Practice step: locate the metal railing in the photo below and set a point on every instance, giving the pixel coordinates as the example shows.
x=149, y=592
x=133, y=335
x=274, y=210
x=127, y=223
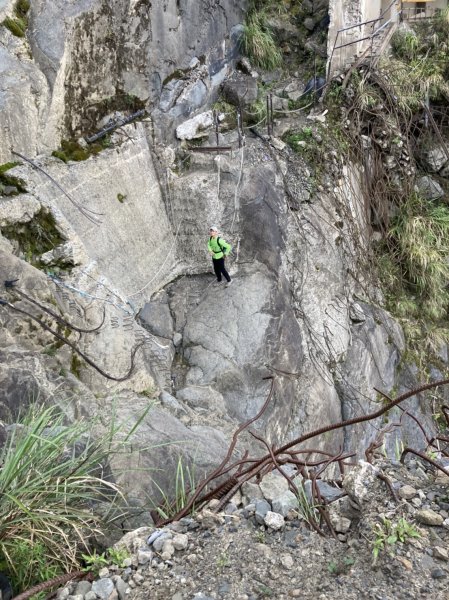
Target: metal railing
x=417, y=13
x=376, y=28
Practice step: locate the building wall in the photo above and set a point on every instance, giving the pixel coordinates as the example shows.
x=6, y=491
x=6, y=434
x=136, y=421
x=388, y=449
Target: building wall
x=430, y=5
x=346, y=13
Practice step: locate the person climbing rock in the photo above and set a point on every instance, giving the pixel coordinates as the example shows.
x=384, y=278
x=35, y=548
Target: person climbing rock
x=219, y=250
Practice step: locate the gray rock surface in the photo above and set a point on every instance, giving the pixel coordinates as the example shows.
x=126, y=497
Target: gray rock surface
x=133, y=226
x=429, y=188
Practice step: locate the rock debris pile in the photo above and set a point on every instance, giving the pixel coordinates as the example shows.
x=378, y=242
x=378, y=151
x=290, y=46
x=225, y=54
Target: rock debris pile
x=392, y=530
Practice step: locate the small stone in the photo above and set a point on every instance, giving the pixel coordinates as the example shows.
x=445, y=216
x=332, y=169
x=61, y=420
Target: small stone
x=441, y=553
x=428, y=516
x=103, y=588
x=285, y=503
x=273, y=485
x=262, y=508
x=438, y=574
x=274, y=520
x=264, y=550
x=144, y=556
x=286, y=561
x=407, y=492
x=82, y=587
x=168, y=548
x=159, y=542
x=224, y=588
x=405, y=563
x=90, y=596
x=209, y=520
x=62, y=594
x=251, y=491
x=121, y=587
x=180, y=541
x=339, y=523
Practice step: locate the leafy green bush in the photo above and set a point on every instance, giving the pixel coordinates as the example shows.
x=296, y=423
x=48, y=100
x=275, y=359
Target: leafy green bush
x=52, y=477
x=405, y=44
x=258, y=42
x=387, y=534
x=420, y=236
x=419, y=69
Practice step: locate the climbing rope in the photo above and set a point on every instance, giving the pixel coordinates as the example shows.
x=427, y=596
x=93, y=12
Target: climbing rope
x=160, y=268
x=87, y=212
x=61, y=284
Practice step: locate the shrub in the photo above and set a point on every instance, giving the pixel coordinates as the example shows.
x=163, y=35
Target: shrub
x=60, y=154
x=387, y=534
x=52, y=477
x=405, y=44
x=420, y=236
x=258, y=42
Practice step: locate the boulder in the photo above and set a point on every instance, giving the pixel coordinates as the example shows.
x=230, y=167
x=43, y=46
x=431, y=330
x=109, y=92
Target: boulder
x=156, y=318
x=359, y=482
x=433, y=157
x=429, y=189
x=273, y=486
x=196, y=127
x=241, y=90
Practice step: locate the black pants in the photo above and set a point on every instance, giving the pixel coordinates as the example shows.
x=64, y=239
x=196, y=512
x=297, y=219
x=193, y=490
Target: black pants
x=219, y=268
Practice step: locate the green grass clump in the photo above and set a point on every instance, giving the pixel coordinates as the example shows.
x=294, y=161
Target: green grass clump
x=184, y=489
x=18, y=24
x=420, y=243
x=419, y=68
x=10, y=180
x=413, y=266
x=72, y=150
x=34, y=237
x=22, y=7
x=387, y=534
x=61, y=155
x=52, y=477
x=47, y=491
x=258, y=42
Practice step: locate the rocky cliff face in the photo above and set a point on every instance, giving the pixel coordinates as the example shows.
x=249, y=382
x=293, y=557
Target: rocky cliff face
x=122, y=236
x=81, y=59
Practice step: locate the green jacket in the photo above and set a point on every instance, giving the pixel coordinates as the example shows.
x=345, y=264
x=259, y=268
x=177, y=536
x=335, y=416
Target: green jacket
x=218, y=249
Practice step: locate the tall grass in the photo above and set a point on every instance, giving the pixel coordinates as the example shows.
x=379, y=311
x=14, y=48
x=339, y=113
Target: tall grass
x=420, y=233
x=52, y=476
x=184, y=488
x=258, y=42
x=418, y=70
